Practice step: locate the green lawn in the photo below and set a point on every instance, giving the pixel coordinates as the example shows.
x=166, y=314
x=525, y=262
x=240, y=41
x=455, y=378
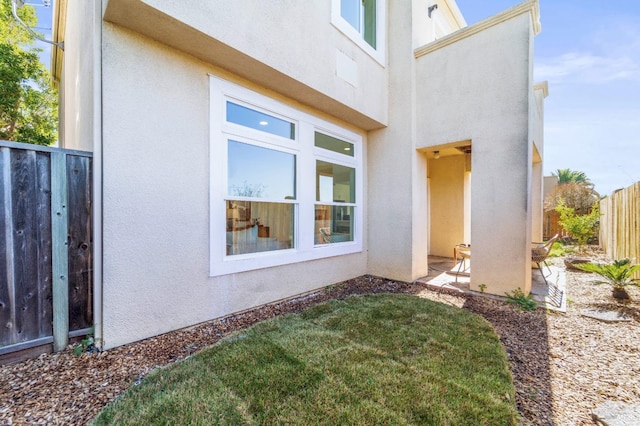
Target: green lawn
x=378, y=359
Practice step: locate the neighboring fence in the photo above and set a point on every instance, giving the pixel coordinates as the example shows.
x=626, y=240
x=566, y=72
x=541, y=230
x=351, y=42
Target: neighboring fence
x=620, y=224
x=46, y=253
x=551, y=225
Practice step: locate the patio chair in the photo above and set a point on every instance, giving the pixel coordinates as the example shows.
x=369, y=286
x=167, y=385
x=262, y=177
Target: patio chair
x=463, y=252
x=539, y=254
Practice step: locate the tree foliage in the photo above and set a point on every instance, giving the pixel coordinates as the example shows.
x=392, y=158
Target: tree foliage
x=575, y=189
x=578, y=196
x=568, y=176
x=582, y=227
x=28, y=102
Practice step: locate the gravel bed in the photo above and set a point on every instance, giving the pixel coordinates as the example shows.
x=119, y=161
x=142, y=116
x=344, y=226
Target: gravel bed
x=563, y=364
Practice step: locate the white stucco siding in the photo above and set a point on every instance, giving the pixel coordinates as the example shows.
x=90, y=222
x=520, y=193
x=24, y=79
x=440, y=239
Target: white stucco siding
x=397, y=215
x=475, y=85
x=478, y=88
x=79, y=106
x=156, y=199
x=290, y=47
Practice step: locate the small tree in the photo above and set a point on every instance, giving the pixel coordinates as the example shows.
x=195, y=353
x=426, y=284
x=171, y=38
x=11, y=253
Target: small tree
x=582, y=227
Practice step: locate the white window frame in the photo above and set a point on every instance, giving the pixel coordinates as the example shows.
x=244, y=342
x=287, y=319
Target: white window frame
x=306, y=153
x=379, y=53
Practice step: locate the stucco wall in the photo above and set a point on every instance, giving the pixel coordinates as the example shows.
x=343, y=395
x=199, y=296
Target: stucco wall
x=446, y=16
x=290, y=47
x=446, y=204
x=391, y=151
x=156, y=199
x=78, y=110
x=481, y=86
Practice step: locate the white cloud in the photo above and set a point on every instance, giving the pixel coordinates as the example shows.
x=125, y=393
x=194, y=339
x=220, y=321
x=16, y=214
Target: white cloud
x=588, y=68
x=608, y=56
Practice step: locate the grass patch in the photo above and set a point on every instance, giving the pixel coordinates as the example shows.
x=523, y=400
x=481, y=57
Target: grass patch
x=376, y=359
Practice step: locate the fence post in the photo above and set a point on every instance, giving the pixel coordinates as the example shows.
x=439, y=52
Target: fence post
x=60, y=250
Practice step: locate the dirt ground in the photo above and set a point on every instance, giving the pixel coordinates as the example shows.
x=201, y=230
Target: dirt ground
x=563, y=364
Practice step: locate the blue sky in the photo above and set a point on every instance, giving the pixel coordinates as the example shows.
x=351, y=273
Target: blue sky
x=44, y=28
x=589, y=52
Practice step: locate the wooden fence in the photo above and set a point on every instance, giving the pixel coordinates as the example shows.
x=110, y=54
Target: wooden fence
x=45, y=246
x=552, y=225
x=620, y=224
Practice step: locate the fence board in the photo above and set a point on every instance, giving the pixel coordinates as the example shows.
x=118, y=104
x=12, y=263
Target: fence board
x=60, y=250
x=80, y=243
x=43, y=217
x=6, y=274
x=26, y=244
x=619, y=224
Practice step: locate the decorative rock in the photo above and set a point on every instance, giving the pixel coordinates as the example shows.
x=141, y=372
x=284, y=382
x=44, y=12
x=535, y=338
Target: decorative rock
x=613, y=413
x=570, y=262
x=606, y=316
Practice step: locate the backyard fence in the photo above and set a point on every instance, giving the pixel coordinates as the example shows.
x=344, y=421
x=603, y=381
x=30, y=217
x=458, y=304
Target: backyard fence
x=552, y=225
x=620, y=224
x=45, y=246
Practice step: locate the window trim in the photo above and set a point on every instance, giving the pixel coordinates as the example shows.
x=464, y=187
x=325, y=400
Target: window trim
x=379, y=53
x=306, y=153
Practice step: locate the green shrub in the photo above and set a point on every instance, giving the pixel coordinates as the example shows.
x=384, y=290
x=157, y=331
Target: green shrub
x=582, y=227
x=525, y=303
x=618, y=274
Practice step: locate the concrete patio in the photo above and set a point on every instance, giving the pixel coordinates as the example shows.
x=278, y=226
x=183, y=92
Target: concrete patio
x=443, y=277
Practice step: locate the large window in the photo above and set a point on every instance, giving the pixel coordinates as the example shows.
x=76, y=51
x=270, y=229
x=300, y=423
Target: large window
x=363, y=22
x=261, y=188
x=285, y=186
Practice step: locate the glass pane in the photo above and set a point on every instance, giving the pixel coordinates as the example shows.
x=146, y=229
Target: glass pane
x=335, y=183
x=254, y=227
x=334, y=224
x=370, y=22
x=260, y=172
x=258, y=120
x=350, y=11
x=333, y=144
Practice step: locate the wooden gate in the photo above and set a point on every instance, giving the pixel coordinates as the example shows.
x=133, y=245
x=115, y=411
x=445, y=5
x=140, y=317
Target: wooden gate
x=46, y=246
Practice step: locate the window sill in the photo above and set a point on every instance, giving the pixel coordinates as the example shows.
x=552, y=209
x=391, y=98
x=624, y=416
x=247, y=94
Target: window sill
x=254, y=261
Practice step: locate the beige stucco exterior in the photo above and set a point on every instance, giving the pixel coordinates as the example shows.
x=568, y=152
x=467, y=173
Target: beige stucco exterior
x=136, y=80
x=481, y=81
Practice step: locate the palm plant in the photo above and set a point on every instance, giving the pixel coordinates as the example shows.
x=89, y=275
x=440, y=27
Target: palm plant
x=618, y=274
x=568, y=175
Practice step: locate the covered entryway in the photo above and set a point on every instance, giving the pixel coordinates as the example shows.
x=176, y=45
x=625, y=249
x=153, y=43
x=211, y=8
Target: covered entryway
x=480, y=113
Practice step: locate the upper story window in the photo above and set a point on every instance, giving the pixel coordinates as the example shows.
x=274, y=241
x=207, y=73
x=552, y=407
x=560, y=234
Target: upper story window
x=361, y=15
x=286, y=186
x=363, y=22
